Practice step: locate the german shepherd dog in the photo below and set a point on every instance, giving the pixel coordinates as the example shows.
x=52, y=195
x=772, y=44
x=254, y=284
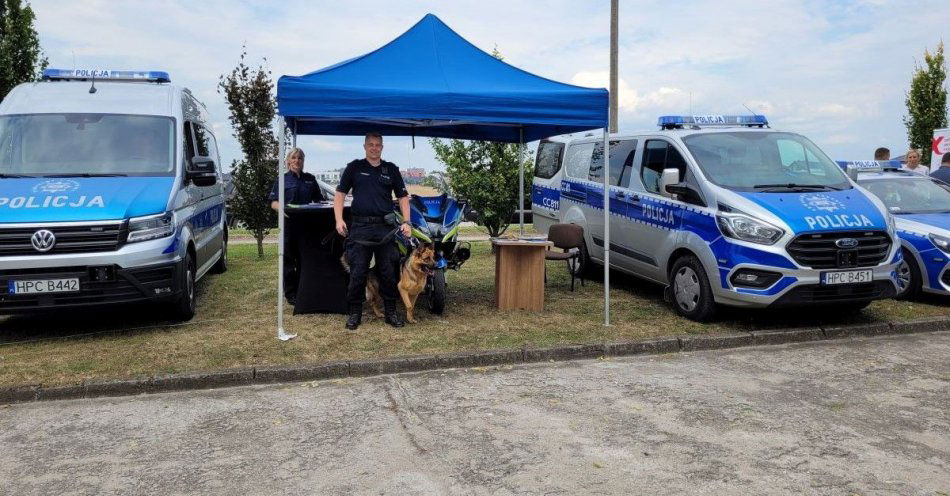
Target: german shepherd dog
x=414, y=271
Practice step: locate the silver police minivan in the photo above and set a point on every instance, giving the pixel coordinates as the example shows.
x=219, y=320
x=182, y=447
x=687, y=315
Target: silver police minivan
x=723, y=210
x=110, y=192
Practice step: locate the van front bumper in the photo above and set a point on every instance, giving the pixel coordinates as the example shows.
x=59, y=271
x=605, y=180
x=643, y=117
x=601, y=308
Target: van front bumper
x=137, y=272
x=98, y=285
x=802, y=287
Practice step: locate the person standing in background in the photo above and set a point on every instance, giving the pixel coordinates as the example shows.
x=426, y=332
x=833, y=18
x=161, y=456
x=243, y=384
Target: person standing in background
x=913, y=163
x=300, y=188
x=882, y=154
x=943, y=172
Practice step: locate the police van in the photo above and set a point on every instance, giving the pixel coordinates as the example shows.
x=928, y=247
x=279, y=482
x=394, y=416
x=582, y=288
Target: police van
x=921, y=209
x=722, y=210
x=110, y=192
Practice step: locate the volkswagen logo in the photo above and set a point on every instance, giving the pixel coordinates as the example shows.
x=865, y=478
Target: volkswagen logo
x=43, y=240
x=846, y=243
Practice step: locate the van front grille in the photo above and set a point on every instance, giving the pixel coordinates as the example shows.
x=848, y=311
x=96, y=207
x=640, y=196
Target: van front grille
x=822, y=251
x=77, y=238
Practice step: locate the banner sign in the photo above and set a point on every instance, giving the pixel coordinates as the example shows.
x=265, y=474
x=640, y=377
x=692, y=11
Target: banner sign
x=941, y=145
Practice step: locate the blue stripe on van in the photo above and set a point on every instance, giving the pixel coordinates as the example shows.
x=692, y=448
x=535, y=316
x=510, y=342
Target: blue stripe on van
x=673, y=216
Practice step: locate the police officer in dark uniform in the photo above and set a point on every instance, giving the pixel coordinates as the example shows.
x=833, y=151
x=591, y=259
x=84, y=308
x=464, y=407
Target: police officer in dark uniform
x=300, y=188
x=373, y=182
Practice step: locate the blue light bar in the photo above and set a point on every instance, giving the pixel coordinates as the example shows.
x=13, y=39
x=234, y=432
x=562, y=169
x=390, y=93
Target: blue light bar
x=679, y=121
x=90, y=74
x=869, y=165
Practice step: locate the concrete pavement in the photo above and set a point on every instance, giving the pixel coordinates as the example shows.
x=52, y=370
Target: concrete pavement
x=862, y=416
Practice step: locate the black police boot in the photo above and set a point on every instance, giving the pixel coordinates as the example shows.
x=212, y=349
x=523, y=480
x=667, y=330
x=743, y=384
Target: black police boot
x=392, y=318
x=355, y=318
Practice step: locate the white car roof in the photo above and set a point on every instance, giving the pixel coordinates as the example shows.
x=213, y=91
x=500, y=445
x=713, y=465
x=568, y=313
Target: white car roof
x=111, y=97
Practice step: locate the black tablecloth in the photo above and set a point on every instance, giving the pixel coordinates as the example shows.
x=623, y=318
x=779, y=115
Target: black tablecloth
x=323, y=281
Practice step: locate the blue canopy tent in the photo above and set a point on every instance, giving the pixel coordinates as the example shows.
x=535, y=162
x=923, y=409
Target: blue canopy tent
x=432, y=82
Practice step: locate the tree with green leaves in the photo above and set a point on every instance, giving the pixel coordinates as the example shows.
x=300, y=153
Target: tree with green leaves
x=485, y=174
x=927, y=102
x=250, y=96
x=21, y=59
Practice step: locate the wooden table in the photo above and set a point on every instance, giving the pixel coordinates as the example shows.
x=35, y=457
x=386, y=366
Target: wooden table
x=519, y=273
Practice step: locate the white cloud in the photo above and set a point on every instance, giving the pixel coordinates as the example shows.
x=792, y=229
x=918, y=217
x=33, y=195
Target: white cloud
x=628, y=96
x=819, y=67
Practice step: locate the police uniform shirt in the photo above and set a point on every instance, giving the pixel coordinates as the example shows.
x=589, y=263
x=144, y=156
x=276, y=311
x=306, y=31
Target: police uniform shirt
x=373, y=187
x=298, y=190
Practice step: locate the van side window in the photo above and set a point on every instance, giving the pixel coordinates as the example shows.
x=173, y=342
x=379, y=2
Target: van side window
x=577, y=162
x=188, y=144
x=597, y=163
x=659, y=155
x=201, y=140
x=204, y=142
x=621, y=159
x=549, y=159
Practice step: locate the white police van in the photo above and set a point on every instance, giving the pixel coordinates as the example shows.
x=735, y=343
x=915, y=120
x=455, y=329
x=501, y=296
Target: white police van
x=921, y=209
x=722, y=209
x=110, y=192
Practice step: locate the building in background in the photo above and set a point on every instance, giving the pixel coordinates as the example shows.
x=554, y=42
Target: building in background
x=414, y=175
x=330, y=177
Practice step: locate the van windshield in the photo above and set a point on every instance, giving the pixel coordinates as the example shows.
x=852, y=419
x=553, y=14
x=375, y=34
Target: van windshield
x=86, y=144
x=765, y=162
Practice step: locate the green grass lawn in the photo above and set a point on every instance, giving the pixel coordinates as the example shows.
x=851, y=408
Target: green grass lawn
x=236, y=325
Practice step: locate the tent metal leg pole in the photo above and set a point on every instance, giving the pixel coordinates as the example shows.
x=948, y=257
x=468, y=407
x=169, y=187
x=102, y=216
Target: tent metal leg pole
x=521, y=180
x=281, y=164
x=606, y=172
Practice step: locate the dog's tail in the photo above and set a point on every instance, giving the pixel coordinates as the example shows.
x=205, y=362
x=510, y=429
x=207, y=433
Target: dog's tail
x=344, y=263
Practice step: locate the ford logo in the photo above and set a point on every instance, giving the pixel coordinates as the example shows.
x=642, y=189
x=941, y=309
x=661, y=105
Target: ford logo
x=43, y=240
x=846, y=243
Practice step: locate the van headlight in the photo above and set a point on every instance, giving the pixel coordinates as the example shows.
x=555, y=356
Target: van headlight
x=740, y=226
x=151, y=227
x=941, y=242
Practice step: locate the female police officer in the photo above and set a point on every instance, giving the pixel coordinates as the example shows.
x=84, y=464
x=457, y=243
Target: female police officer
x=300, y=188
x=373, y=181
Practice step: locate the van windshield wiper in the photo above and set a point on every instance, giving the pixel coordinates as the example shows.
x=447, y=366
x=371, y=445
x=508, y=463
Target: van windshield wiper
x=796, y=186
x=16, y=175
x=86, y=174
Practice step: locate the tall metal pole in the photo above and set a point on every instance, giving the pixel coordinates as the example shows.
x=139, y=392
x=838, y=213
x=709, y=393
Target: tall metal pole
x=606, y=170
x=281, y=165
x=521, y=179
x=613, y=65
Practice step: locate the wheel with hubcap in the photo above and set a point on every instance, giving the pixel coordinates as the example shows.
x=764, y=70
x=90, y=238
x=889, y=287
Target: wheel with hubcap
x=689, y=287
x=908, y=277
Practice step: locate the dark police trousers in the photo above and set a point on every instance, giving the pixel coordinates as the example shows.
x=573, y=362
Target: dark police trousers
x=291, y=259
x=358, y=256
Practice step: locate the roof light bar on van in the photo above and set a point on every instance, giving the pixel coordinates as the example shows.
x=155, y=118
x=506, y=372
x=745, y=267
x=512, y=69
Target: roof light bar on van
x=90, y=74
x=869, y=165
x=853, y=167
x=681, y=121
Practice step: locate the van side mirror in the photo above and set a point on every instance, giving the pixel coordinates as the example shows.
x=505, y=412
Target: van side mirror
x=201, y=171
x=669, y=176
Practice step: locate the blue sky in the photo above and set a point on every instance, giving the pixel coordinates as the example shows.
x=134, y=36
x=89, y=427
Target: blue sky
x=835, y=71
